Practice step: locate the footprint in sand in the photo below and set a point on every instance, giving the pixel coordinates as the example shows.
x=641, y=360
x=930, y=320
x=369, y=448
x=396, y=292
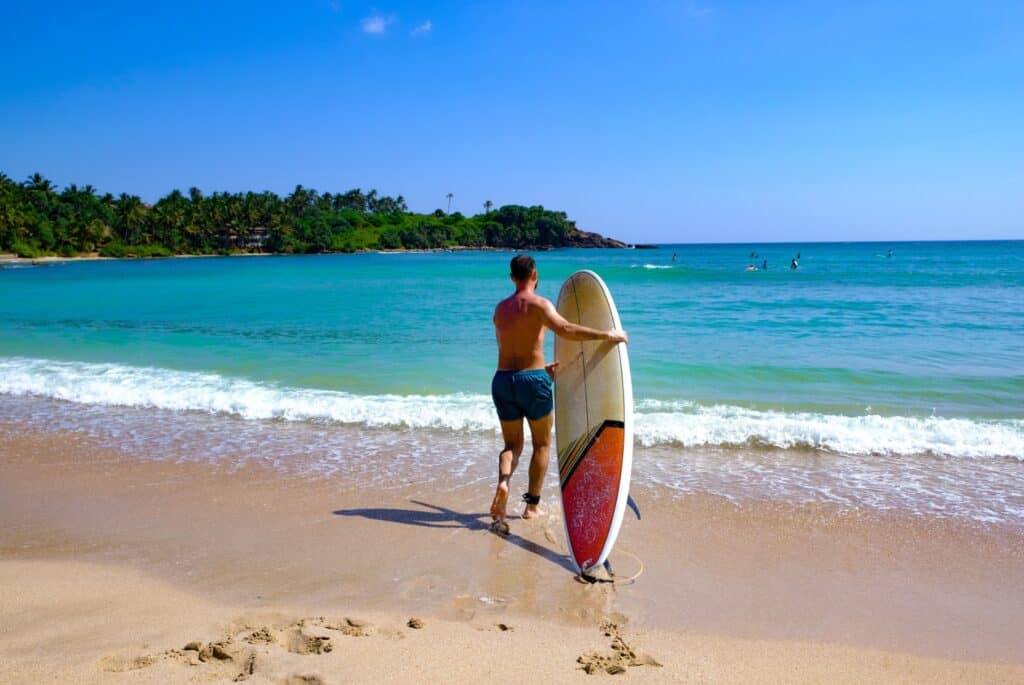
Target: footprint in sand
x=618, y=659
x=298, y=641
x=247, y=643
x=248, y=665
x=232, y=658
x=223, y=655
x=351, y=627
x=260, y=637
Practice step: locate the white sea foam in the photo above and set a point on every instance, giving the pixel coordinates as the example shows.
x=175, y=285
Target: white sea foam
x=126, y=386
x=689, y=424
x=657, y=422
x=653, y=266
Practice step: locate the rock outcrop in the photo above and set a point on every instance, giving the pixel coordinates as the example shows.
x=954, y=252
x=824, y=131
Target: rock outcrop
x=588, y=239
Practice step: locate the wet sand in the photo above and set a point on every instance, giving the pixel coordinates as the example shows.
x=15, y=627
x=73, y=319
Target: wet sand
x=110, y=565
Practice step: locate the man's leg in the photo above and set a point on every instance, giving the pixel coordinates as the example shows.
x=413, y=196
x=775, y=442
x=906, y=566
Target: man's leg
x=540, y=432
x=508, y=460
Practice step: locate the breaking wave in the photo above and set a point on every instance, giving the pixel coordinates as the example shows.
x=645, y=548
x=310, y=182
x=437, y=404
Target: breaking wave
x=681, y=423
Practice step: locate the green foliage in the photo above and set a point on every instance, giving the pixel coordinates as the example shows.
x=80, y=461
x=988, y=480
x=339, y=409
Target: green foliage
x=25, y=250
x=149, y=251
x=119, y=249
x=114, y=249
x=35, y=219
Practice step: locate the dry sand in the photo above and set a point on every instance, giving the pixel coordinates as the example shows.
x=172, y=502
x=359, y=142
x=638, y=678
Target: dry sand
x=15, y=259
x=110, y=566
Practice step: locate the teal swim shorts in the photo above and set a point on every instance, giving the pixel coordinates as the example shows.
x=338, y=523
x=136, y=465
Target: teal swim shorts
x=523, y=393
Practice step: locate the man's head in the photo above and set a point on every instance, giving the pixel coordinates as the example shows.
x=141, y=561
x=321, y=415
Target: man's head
x=524, y=269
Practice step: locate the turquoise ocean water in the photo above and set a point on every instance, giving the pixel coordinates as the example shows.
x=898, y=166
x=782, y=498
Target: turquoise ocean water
x=909, y=364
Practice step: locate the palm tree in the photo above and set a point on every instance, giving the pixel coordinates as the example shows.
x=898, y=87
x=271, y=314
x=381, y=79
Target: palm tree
x=449, y=196
x=171, y=217
x=132, y=216
x=487, y=206
x=37, y=182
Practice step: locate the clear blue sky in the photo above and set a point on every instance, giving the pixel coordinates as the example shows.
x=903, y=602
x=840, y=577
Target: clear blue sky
x=699, y=120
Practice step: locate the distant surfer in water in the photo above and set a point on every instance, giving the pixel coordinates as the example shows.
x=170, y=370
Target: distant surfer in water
x=523, y=384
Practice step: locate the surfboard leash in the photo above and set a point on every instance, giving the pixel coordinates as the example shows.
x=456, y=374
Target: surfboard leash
x=613, y=580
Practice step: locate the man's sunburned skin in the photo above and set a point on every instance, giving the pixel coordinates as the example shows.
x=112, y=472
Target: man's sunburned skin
x=520, y=322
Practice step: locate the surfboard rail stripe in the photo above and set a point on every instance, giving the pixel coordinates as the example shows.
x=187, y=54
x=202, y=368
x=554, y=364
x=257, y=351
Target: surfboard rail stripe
x=573, y=451
x=579, y=317
x=579, y=449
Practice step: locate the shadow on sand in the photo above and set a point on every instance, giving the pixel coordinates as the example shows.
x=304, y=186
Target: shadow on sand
x=434, y=516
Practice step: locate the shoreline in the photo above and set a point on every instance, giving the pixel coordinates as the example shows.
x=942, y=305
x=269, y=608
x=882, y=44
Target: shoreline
x=301, y=435
x=749, y=589
x=14, y=259
x=96, y=257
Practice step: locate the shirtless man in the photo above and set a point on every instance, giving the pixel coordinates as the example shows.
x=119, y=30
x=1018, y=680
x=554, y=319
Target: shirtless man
x=523, y=385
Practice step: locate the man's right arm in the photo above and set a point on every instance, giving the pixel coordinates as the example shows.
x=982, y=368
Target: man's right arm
x=573, y=331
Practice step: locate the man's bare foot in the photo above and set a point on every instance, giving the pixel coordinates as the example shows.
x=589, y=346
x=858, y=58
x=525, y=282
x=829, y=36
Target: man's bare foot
x=500, y=502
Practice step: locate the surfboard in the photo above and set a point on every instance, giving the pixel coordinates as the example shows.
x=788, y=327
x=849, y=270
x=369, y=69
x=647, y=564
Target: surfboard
x=593, y=423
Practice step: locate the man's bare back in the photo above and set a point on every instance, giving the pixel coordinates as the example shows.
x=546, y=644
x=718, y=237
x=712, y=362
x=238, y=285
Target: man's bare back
x=520, y=321
x=519, y=326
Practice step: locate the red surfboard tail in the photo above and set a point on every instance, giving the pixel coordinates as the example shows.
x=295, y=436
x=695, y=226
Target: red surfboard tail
x=590, y=479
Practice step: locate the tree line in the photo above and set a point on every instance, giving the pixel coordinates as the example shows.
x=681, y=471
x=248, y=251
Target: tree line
x=37, y=219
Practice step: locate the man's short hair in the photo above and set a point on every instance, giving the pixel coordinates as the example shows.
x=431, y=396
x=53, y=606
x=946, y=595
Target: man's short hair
x=523, y=267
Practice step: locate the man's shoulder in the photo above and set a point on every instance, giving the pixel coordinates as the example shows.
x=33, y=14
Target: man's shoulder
x=533, y=300
x=539, y=302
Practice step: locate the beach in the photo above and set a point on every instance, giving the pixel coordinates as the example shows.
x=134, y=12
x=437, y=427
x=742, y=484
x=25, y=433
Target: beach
x=112, y=564
x=758, y=269
x=285, y=467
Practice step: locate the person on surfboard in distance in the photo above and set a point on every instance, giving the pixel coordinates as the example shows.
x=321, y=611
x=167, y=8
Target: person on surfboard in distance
x=523, y=384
